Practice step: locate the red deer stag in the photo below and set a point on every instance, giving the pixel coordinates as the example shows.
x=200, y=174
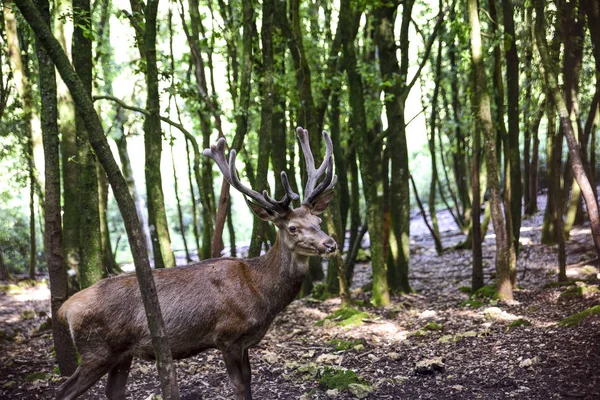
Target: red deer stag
x=224, y=303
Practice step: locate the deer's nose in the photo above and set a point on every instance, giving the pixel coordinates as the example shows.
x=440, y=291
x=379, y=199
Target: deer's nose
x=330, y=245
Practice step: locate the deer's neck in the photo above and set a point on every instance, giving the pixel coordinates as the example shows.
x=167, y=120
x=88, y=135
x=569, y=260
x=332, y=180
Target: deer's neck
x=285, y=272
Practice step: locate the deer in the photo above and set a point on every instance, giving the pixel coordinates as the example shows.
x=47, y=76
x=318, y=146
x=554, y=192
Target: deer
x=223, y=303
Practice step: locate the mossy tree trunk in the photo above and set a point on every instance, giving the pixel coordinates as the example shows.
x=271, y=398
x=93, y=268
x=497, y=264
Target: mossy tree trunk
x=57, y=269
x=369, y=153
x=90, y=239
x=157, y=218
x=483, y=118
x=68, y=148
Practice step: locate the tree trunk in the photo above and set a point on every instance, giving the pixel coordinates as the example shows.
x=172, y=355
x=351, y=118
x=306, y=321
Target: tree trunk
x=483, y=117
x=85, y=108
x=20, y=70
x=57, y=270
x=194, y=200
x=266, y=122
x=512, y=86
x=565, y=122
x=370, y=156
x=477, y=233
x=90, y=240
x=179, y=212
x=108, y=258
x=431, y=144
x=32, y=236
x=127, y=171
x=396, y=94
x=531, y=206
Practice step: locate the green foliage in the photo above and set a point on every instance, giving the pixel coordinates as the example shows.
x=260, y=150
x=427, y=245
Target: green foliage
x=345, y=344
x=27, y=315
x=465, y=289
x=346, y=317
x=488, y=292
x=576, y=319
x=36, y=376
x=320, y=292
x=433, y=326
x=337, y=378
x=482, y=296
x=11, y=289
x=519, y=322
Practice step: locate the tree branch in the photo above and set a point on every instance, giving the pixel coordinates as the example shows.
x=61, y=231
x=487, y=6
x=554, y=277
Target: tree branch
x=428, y=47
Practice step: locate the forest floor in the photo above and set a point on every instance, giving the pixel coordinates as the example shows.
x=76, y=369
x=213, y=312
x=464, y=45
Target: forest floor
x=426, y=345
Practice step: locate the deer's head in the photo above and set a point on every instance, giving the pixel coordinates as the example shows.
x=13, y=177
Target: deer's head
x=299, y=228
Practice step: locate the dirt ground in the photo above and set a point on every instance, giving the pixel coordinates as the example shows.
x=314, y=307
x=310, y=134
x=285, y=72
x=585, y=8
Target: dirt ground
x=469, y=352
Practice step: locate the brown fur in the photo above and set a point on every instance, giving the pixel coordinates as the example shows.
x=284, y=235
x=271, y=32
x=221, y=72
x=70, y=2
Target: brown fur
x=224, y=303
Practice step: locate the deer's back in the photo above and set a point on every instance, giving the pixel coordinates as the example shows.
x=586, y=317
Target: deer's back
x=204, y=305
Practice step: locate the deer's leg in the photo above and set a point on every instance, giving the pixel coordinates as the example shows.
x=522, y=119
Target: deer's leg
x=246, y=374
x=117, y=379
x=83, y=378
x=234, y=360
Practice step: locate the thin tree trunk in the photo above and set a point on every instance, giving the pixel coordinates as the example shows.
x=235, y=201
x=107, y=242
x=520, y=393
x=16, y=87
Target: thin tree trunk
x=146, y=39
x=179, y=211
x=127, y=171
x=20, y=69
x=68, y=147
x=431, y=143
x=266, y=122
x=477, y=233
x=4, y=275
x=436, y=239
x=57, y=269
x=193, y=199
x=90, y=239
x=512, y=86
x=481, y=103
x=85, y=107
x=531, y=205
x=370, y=156
x=32, y=236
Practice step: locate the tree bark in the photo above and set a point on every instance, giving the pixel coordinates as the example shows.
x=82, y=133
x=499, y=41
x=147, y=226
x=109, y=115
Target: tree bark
x=565, y=122
x=57, y=269
x=85, y=108
x=370, y=156
x=512, y=86
x=483, y=117
x=146, y=40
x=90, y=240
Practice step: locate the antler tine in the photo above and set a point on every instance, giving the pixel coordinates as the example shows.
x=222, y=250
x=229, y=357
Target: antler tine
x=288, y=189
x=326, y=184
x=217, y=153
x=287, y=198
x=236, y=183
x=310, y=192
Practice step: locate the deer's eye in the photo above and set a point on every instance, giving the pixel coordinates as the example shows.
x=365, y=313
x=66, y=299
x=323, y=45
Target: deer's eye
x=292, y=229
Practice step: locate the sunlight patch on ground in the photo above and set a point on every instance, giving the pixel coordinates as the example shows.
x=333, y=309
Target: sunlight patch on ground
x=40, y=292
x=389, y=332
x=312, y=313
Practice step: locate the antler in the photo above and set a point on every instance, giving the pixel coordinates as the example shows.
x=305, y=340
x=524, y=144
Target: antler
x=217, y=153
x=327, y=184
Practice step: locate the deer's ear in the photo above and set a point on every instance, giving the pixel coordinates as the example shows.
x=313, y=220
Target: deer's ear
x=262, y=213
x=320, y=204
